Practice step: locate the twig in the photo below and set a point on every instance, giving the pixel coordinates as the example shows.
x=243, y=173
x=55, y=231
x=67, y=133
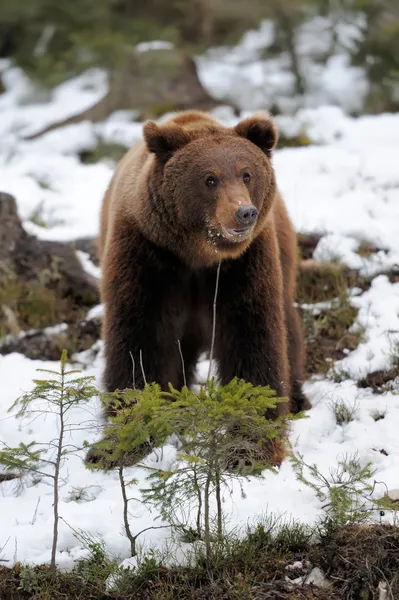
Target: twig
x=214, y=320
x=219, y=504
x=35, y=513
x=207, y=531
x=132, y=538
x=129, y=535
x=133, y=370
x=152, y=527
x=2, y=548
x=56, y=477
x=199, y=497
x=142, y=368
x=182, y=363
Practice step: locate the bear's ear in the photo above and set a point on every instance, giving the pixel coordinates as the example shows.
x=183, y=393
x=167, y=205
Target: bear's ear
x=164, y=140
x=260, y=130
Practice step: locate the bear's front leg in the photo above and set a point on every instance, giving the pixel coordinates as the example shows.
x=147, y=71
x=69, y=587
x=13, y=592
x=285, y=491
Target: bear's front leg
x=251, y=337
x=143, y=317
x=135, y=353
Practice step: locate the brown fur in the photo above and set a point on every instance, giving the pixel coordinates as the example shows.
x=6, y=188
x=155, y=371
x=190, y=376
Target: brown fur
x=163, y=232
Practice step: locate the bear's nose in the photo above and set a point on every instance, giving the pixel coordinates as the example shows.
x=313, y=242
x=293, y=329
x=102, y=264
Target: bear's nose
x=246, y=215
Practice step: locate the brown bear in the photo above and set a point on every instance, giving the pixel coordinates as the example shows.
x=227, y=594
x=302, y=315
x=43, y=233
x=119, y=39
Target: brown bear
x=190, y=194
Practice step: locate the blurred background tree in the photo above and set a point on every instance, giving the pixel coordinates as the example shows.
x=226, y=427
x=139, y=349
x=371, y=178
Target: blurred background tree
x=378, y=53
x=54, y=41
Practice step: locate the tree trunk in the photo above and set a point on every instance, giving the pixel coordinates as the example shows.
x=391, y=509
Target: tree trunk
x=207, y=527
x=288, y=30
x=154, y=82
x=218, y=492
x=56, y=482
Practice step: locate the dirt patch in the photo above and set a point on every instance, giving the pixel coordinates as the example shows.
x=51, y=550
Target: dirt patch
x=321, y=355
x=351, y=563
x=325, y=308
x=380, y=381
x=393, y=274
x=317, y=282
x=307, y=243
x=358, y=557
x=161, y=585
x=234, y=589
x=327, y=334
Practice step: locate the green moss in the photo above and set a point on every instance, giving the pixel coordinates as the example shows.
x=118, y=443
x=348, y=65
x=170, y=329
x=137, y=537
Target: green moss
x=336, y=321
x=300, y=140
x=38, y=215
x=154, y=111
x=327, y=329
x=324, y=282
x=365, y=249
x=103, y=151
x=10, y=292
x=34, y=304
x=327, y=335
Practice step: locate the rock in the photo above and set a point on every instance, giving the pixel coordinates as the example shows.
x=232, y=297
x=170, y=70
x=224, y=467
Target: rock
x=48, y=343
x=382, y=591
x=31, y=258
x=11, y=230
x=42, y=284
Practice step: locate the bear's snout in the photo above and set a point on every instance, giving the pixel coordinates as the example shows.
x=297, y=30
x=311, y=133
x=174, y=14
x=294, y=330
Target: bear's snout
x=246, y=215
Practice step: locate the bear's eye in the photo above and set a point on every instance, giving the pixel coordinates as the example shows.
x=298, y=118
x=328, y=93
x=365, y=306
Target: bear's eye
x=211, y=181
x=246, y=177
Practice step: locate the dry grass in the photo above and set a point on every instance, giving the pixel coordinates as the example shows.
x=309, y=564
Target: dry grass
x=357, y=558
x=354, y=559
x=254, y=567
x=327, y=334
x=383, y=381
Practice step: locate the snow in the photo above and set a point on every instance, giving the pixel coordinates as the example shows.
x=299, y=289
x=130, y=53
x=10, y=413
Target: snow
x=267, y=80
x=379, y=317
x=344, y=186
x=101, y=514
x=154, y=45
x=88, y=266
x=68, y=99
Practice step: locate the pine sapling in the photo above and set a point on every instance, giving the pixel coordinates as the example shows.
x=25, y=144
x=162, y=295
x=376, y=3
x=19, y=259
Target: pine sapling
x=221, y=434
x=126, y=440
x=345, y=492
x=57, y=396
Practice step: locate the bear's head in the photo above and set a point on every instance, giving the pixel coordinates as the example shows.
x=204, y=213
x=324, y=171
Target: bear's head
x=213, y=185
